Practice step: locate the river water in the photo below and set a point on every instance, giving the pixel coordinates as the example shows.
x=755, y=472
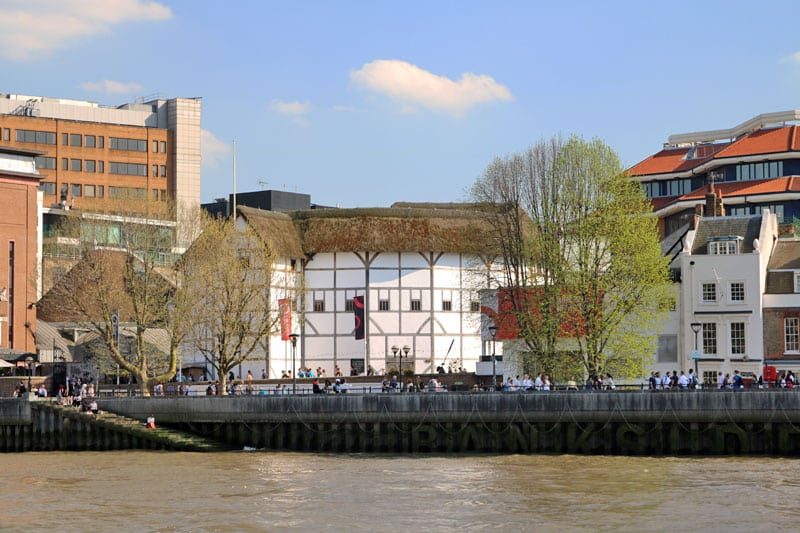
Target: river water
x=277, y=491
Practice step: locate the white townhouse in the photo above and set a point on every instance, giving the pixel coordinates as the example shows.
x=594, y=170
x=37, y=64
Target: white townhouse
x=723, y=269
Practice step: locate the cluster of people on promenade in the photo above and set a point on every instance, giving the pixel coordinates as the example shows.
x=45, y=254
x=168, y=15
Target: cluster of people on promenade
x=21, y=390
x=674, y=381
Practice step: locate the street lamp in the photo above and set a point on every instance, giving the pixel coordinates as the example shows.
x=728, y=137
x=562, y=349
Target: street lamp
x=696, y=327
x=396, y=349
x=493, y=333
x=406, y=349
x=293, y=338
x=29, y=361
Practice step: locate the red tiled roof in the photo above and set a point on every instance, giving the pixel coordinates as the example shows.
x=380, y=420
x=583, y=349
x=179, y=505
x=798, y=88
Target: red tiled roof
x=769, y=141
x=747, y=188
x=664, y=162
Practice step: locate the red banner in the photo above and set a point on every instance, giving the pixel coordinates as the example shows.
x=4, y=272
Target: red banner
x=285, y=306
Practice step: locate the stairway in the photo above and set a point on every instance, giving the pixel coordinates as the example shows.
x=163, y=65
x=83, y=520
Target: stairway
x=70, y=429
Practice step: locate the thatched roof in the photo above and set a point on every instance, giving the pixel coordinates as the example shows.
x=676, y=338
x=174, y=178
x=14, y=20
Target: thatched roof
x=276, y=229
x=394, y=229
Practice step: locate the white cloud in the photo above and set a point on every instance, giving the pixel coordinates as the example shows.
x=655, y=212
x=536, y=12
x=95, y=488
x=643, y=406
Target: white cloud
x=296, y=109
x=413, y=86
x=111, y=87
x=30, y=29
x=213, y=150
x=292, y=108
x=793, y=58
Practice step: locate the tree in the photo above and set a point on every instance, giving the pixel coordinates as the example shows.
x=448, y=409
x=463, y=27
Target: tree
x=125, y=276
x=231, y=271
x=580, y=255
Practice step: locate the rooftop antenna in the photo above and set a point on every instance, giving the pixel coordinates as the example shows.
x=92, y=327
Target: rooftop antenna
x=233, y=210
x=263, y=184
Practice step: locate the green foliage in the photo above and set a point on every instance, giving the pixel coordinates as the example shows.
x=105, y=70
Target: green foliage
x=590, y=268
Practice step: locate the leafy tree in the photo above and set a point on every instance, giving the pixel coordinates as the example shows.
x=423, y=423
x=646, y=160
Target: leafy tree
x=581, y=261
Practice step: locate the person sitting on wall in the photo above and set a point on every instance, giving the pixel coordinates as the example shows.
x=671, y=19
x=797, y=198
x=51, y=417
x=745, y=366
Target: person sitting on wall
x=151, y=422
x=93, y=408
x=315, y=387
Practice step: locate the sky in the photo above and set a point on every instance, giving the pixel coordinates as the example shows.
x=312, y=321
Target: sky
x=367, y=103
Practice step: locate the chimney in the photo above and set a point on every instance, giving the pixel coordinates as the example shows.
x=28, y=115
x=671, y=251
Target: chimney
x=711, y=201
x=698, y=214
x=719, y=206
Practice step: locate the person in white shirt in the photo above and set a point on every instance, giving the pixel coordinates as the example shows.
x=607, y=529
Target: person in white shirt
x=683, y=381
x=537, y=384
x=720, y=380
x=545, y=382
x=665, y=381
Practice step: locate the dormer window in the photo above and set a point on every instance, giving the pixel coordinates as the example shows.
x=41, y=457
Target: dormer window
x=724, y=246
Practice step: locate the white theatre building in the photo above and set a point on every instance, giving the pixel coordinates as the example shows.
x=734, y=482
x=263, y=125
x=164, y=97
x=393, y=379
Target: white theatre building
x=419, y=268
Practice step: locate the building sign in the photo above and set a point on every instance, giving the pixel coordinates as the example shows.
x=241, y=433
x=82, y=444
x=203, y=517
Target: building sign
x=285, y=307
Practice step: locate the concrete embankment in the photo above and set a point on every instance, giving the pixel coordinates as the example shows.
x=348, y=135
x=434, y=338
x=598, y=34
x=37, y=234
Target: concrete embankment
x=665, y=423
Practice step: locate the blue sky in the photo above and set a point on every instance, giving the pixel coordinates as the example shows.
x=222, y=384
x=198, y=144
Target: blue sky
x=366, y=103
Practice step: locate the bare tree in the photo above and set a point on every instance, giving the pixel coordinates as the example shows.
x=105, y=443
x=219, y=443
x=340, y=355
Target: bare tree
x=125, y=275
x=231, y=272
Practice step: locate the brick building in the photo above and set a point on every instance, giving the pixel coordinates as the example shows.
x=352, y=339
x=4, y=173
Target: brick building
x=19, y=245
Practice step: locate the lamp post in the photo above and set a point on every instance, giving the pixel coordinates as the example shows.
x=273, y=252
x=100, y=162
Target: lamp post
x=29, y=361
x=696, y=327
x=493, y=333
x=406, y=349
x=396, y=349
x=293, y=338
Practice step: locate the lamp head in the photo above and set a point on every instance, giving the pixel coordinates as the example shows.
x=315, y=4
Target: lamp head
x=395, y=349
x=493, y=331
x=293, y=338
x=696, y=326
x=406, y=349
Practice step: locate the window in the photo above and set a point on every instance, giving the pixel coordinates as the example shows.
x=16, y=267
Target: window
x=38, y=137
x=416, y=305
x=88, y=191
x=6, y=134
x=46, y=162
x=89, y=141
x=155, y=171
x=64, y=190
x=64, y=163
x=776, y=209
x=475, y=306
x=791, y=334
x=155, y=146
x=726, y=247
x=739, y=211
x=710, y=338
x=667, y=349
x=737, y=291
x=154, y=192
x=709, y=293
x=447, y=305
x=64, y=139
x=101, y=142
x=163, y=171
x=75, y=139
x=75, y=190
x=710, y=378
x=126, y=192
x=48, y=187
x=757, y=171
x=89, y=165
x=348, y=303
x=128, y=169
x=163, y=195
x=100, y=191
x=101, y=166
x=383, y=305
x=737, y=338
x=75, y=165
x=319, y=306
x=162, y=147
x=131, y=145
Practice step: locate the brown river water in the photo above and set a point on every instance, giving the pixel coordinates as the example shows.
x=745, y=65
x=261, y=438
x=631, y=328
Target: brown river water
x=277, y=491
